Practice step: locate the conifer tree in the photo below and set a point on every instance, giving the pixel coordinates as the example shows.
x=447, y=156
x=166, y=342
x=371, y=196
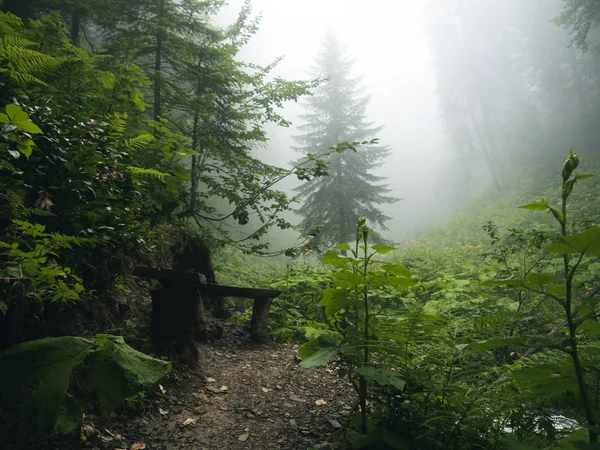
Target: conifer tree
x=337, y=113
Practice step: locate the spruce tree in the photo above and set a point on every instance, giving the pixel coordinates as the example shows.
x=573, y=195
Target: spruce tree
x=337, y=113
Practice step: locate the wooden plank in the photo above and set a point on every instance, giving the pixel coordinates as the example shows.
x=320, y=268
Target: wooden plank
x=215, y=290
x=218, y=290
x=170, y=275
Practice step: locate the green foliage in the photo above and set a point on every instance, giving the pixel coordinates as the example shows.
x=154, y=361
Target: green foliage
x=350, y=311
x=60, y=378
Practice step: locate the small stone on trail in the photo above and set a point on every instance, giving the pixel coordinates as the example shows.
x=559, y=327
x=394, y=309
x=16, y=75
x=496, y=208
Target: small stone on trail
x=278, y=387
x=334, y=423
x=243, y=437
x=293, y=422
x=211, y=380
x=265, y=390
x=214, y=390
x=320, y=402
x=200, y=410
x=295, y=398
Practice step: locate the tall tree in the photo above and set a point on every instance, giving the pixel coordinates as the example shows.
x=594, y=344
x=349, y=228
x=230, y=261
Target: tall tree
x=337, y=113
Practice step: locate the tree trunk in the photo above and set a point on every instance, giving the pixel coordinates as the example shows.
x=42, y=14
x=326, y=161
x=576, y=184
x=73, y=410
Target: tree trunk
x=158, y=63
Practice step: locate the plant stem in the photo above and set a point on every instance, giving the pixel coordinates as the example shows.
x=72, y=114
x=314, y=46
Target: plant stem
x=569, y=274
x=363, y=382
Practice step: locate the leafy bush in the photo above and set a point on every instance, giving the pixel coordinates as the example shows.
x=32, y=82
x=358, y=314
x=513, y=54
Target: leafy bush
x=57, y=379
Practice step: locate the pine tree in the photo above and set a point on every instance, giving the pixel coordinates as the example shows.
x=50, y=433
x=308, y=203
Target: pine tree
x=337, y=113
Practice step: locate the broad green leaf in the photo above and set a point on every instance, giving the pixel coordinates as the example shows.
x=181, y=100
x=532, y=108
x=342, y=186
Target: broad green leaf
x=585, y=242
x=345, y=247
x=334, y=259
x=28, y=127
x=4, y=118
x=38, y=373
x=384, y=377
x=335, y=300
x=20, y=119
x=545, y=379
x=347, y=279
x=16, y=113
x=557, y=289
x=492, y=343
x=397, y=269
x=44, y=366
x=319, y=351
x=379, y=248
x=25, y=146
x=513, y=444
x=578, y=440
x=589, y=326
x=536, y=206
x=539, y=279
x=117, y=371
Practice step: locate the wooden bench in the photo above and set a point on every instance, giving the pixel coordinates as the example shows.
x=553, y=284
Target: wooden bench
x=178, y=310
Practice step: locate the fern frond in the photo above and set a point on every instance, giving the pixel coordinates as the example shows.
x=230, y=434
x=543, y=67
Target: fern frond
x=152, y=173
x=139, y=142
x=22, y=64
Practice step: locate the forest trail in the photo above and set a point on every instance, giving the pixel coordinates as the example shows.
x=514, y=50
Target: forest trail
x=244, y=396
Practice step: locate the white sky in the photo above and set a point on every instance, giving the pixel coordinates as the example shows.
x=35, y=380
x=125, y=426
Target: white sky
x=386, y=39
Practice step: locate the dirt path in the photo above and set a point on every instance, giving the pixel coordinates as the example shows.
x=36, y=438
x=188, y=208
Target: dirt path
x=247, y=397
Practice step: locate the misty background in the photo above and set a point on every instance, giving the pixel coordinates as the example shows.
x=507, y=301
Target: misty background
x=388, y=42
x=469, y=92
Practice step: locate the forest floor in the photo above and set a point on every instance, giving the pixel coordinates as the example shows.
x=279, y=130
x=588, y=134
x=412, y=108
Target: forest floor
x=243, y=396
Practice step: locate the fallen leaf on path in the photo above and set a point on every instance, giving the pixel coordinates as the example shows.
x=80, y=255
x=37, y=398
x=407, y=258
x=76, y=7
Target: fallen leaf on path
x=162, y=389
x=214, y=390
x=334, y=423
x=191, y=420
x=320, y=402
x=223, y=388
x=264, y=389
x=329, y=370
x=211, y=380
x=164, y=412
x=139, y=445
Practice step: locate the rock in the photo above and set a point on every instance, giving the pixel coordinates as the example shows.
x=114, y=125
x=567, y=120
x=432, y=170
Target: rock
x=287, y=415
x=293, y=422
x=214, y=390
x=243, y=437
x=200, y=410
x=334, y=423
x=295, y=398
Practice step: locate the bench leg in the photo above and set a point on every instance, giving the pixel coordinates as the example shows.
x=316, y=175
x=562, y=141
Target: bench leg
x=259, y=325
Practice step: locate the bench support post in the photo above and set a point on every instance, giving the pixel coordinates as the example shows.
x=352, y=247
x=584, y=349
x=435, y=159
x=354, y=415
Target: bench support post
x=259, y=325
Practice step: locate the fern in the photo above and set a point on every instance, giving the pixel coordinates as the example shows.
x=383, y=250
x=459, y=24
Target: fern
x=19, y=62
x=139, y=142
x=151, y=173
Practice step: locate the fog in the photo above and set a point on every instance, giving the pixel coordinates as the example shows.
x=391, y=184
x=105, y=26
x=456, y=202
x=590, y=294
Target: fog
x=386, y=39
x=466, y=90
